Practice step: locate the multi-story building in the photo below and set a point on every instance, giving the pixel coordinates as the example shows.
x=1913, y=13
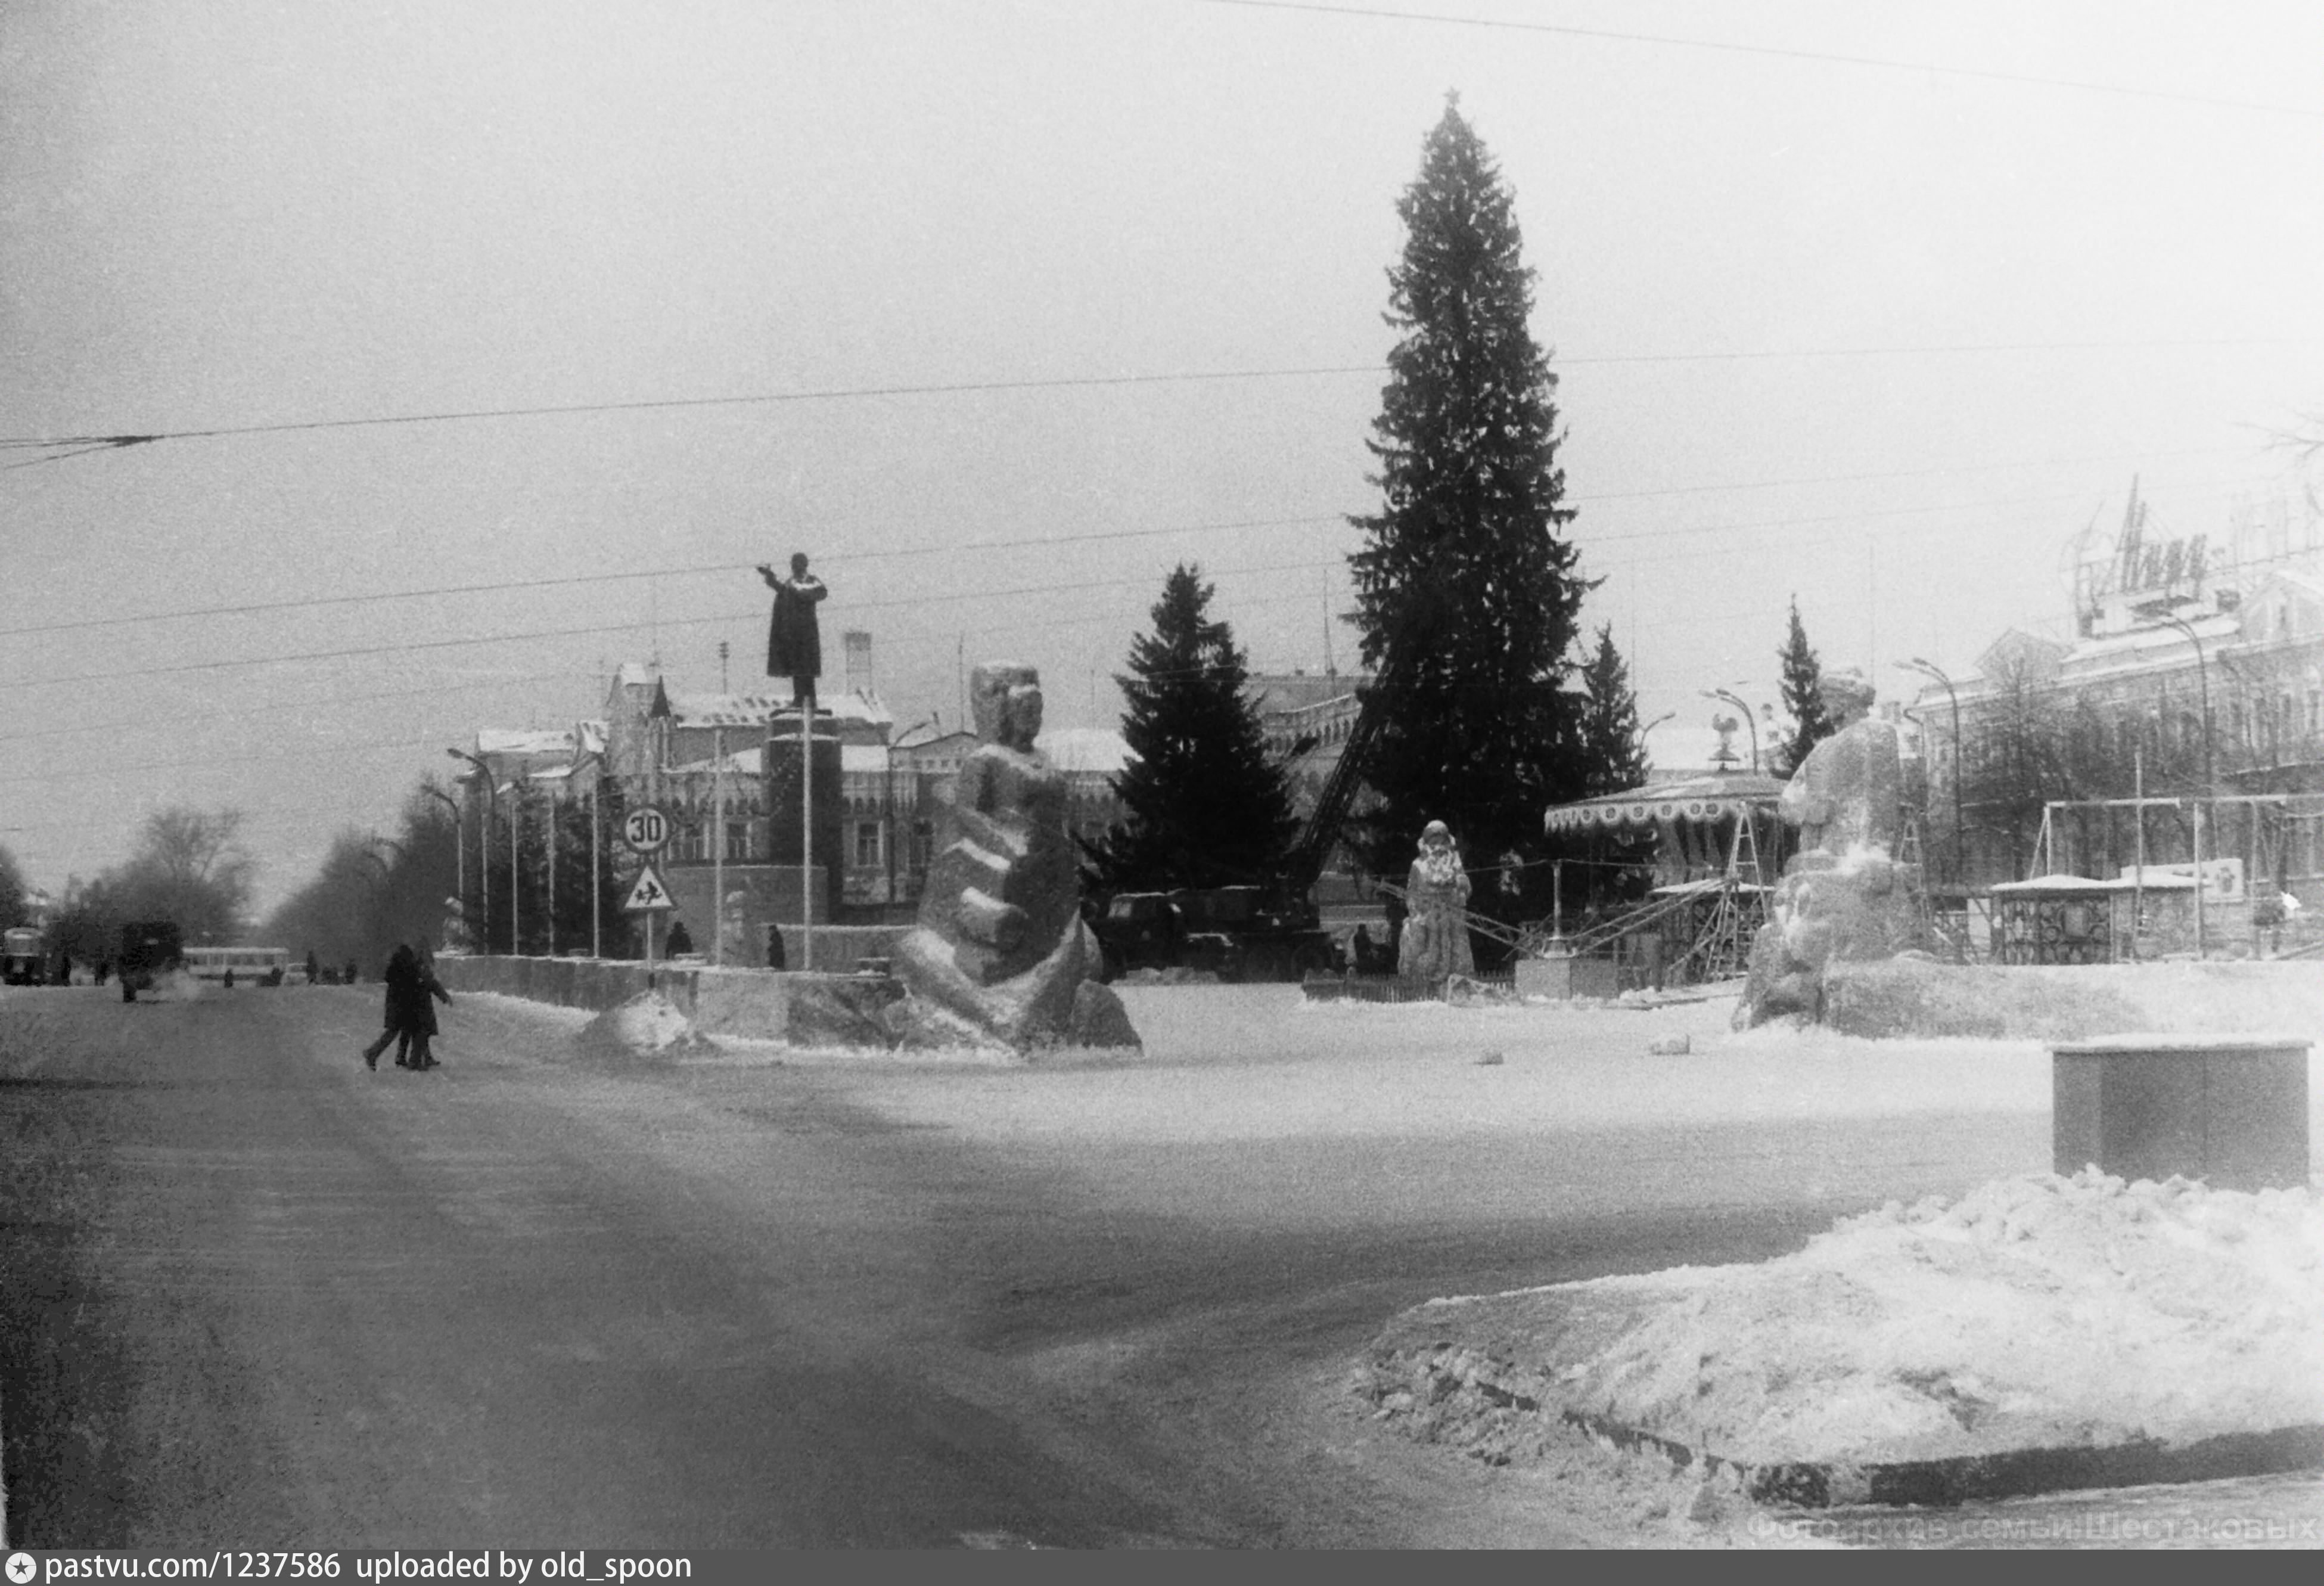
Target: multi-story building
x=2189, y=683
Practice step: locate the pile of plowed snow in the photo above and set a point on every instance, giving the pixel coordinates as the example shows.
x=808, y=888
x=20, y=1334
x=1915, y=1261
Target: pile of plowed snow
x=648, y=1025
x=2037, y=1311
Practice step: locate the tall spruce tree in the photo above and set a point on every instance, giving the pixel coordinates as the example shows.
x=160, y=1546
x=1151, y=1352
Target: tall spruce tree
x=1466, y=592
x=1613, y=750
x=1803, y=686
x=1207, y=807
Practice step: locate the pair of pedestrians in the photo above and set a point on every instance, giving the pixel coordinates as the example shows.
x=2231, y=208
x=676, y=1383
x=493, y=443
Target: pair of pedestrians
x=413, y=992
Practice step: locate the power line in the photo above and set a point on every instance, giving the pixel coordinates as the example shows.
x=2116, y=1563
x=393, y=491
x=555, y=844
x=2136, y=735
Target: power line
x=76, y=446
x=844, y=559
x=1819, y=57
x=88, y=443
x=695, y=570
x=332, y=701
x=923, y=601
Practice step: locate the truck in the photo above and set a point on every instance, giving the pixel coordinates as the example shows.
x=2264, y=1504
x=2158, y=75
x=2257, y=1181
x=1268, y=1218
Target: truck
x=1267, y=930
x=150, y=949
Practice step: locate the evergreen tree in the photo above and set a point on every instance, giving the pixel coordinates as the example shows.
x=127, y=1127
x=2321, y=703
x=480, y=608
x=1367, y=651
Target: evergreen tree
x=1467, y=594
x=1206, y=805
x=1613, y=750
x=1812, y=723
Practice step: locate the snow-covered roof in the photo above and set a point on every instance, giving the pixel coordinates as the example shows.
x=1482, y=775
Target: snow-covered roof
x=1091, y=750
x=864, y=757
x=755, y=710
x=2156, y=882
x=527, y=742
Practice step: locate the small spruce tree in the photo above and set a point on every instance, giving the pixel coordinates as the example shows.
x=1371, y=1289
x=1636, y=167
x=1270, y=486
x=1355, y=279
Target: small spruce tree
x=1812, y=723
x=1613, y=750
x=1207, y=805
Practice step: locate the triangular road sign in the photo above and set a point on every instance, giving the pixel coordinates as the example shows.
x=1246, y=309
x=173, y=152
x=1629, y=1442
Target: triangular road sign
x=648, y=894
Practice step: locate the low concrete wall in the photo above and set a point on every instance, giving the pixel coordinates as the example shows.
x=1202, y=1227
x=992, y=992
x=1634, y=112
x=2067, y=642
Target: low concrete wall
x=837, y=947
x=595, y=983
x=797, y=1005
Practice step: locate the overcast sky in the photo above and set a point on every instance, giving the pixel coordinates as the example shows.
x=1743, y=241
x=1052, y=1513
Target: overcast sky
x=1886, y=337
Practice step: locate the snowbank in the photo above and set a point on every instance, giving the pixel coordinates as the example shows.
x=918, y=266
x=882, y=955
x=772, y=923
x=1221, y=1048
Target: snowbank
x=648, y=1025
x=1918, y=998
x=177, y=985
x=2037, y=1313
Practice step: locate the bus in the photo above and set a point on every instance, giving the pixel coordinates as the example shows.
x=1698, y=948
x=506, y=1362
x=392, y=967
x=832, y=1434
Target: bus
x=258, y=967
x=24, y=960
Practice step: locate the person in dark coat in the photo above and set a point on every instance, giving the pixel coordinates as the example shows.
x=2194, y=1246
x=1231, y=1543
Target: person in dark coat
x=401, y=975
x=794, y=641
x=680, y=939
x=314, y=968
x=419, y=1015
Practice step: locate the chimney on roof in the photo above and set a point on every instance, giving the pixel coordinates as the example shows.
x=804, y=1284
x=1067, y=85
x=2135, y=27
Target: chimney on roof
x=858, y=646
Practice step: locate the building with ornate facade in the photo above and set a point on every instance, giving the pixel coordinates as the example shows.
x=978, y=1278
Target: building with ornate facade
x=725, y=768
x=2192, y=681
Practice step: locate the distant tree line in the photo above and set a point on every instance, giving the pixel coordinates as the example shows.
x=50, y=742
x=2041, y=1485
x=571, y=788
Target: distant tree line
x=189, y=866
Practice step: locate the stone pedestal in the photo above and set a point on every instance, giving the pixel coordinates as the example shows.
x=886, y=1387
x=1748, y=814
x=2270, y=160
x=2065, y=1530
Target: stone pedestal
x=2229, y=1110
x=786, y=836
x=1562, y=976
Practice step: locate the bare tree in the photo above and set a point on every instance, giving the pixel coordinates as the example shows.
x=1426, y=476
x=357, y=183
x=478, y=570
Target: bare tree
x=189, y=867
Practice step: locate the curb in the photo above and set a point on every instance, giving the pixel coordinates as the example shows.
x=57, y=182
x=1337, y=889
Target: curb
x=2022, y=1473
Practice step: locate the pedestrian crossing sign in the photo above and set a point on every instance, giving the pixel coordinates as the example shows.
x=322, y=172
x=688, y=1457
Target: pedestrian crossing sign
x=649, y=894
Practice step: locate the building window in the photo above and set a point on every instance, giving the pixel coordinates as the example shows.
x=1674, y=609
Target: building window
x=867, y=844
x=738, y=839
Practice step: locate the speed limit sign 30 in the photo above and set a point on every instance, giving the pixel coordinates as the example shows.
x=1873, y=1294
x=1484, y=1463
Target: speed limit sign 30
x=645, y=829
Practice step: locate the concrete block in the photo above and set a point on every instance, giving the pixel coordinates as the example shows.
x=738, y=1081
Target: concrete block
x=2229, y=1110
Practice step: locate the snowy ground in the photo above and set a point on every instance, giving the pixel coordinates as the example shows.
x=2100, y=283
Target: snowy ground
x=1248, y=1097
x=2035, y=1312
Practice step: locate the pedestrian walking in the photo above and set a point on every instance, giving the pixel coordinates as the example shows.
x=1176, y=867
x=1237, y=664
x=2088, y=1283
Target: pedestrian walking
x=419, y=1018
x=314, y=968
x=401, y=974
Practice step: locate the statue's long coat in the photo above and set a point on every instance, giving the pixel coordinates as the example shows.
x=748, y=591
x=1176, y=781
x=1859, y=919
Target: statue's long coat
x=794, y=643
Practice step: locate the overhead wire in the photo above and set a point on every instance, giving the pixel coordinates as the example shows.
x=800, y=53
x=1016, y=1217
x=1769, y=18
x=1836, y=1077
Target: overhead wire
x=844, y=559
x=1777, y=52
x=62, y=446
x=915, y=601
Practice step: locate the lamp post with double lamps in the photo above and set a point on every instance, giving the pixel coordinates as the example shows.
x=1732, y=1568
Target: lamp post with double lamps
x=483, y=857
x=1961, y=863
x=1749, y=719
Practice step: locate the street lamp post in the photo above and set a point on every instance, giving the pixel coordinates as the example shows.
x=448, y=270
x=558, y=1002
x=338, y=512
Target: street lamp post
x=483, y=858
x=2211, y=775
x=459, y=844
x=1749, y=719
x=2203, y=683
x=1960, y=860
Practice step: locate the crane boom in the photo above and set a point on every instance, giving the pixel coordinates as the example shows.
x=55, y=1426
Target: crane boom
x=1304, y=864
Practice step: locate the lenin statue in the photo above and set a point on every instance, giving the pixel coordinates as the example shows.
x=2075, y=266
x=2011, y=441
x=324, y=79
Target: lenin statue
x=794, y=643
